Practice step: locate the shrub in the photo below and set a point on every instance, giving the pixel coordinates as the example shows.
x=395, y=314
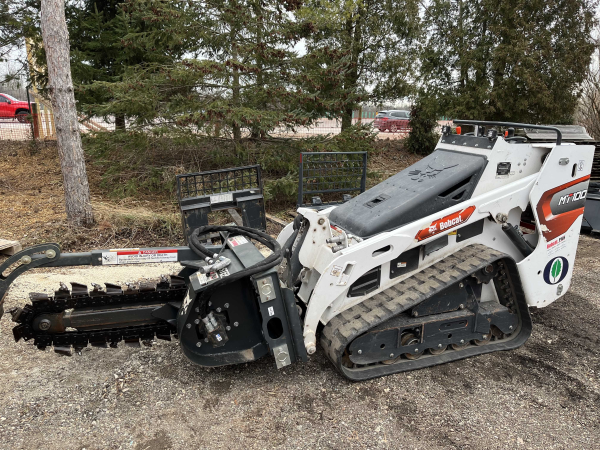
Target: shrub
x=137, y=162
x=423, y=122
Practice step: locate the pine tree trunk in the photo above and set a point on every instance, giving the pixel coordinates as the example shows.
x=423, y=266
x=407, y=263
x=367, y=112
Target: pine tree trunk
x=120, y=122
x=347, y=118
x=461, y=48
x=257, y=132
x=354, y=37
x=237, y=130
x=235, y=84
x=60, y=87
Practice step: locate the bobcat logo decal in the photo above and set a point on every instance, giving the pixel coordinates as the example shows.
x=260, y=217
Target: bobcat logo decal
x=445, y=223
x=430, y=172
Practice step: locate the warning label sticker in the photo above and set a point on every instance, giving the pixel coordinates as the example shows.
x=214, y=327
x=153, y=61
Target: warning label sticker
x=556, y=244
x=213, y=276
x=201, y=278
x=136, y=256
x=221, y=198
x=237, y=240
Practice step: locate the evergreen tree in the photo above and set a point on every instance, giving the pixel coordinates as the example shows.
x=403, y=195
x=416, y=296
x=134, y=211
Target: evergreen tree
x=101, y=55
x=10, y=31
x=376, y=41
x=20, y=22
x=423, y=122
x=240, y=71
x=507, y=59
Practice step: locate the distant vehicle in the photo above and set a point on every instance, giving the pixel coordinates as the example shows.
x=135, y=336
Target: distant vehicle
x=13, y=108
x=392, y=120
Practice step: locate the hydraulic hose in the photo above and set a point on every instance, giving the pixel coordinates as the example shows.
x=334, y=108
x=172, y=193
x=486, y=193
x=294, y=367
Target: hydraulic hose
x=274, y=259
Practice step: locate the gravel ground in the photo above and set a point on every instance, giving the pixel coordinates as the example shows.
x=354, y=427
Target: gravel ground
x=543, y=395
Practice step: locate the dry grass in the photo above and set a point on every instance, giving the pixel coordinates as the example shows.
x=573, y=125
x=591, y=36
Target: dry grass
x=118, y=216
x=32, y=207
x=32, y=202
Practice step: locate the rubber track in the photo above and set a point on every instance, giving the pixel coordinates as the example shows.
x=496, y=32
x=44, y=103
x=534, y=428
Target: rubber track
x=348, y=325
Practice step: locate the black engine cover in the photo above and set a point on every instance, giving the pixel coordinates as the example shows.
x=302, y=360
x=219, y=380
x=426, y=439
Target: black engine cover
x=437, y=182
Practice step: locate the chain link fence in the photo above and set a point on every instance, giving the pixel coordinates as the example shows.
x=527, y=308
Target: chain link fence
x=26, y=115
x=334, y=126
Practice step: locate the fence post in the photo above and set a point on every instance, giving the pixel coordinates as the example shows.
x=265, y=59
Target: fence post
x=35, y=119
x=300, y=176
x=47, y=130
x=30, y=113
x=52, y=125
x=363, y=179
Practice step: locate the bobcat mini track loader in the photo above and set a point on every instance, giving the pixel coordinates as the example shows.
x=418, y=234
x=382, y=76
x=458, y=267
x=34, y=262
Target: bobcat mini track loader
x=437, y=263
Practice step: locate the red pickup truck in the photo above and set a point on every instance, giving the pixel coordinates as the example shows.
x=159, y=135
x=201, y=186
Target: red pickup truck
x=12, y=108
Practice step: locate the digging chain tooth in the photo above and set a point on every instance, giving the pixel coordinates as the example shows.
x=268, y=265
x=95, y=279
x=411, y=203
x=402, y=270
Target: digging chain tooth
x=61, y=343
x=131, y=289
x=97, y=339
x=163, y=284
x=97, y=290
x=147, y=286
x=176, y=281
x=18, y=332
x=78, y=289
x=147, y=334
x=15, y=313
x=66, y=351
x=113, y=289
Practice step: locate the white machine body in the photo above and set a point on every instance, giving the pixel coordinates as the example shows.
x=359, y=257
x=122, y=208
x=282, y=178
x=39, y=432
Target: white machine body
x=550, y=179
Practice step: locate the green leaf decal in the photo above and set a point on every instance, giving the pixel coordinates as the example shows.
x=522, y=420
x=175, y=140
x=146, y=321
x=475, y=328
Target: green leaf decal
x=556, y=269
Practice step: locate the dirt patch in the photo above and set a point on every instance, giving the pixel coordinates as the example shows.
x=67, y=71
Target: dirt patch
x=159, y=442
x=32, y=205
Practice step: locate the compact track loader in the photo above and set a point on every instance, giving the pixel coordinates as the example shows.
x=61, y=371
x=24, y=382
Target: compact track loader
x=440, y=262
